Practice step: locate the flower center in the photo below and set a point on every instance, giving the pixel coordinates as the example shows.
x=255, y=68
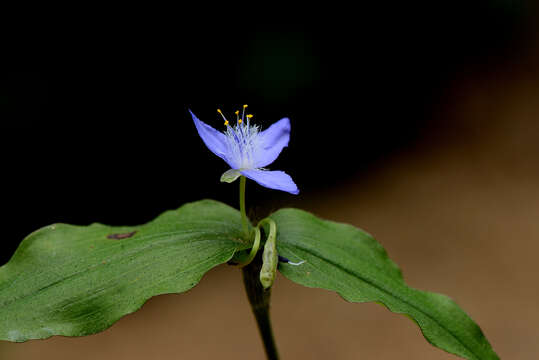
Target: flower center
x=242, y=140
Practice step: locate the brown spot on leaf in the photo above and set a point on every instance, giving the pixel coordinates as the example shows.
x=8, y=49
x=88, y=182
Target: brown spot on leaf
x=121, y=236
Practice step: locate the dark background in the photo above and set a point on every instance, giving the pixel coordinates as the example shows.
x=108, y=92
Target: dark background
x=102, y=132
x=417, y=122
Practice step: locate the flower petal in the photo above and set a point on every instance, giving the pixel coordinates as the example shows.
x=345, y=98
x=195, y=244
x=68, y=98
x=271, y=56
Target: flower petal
x=272, y=142
x=278, y=180
x=214, y=140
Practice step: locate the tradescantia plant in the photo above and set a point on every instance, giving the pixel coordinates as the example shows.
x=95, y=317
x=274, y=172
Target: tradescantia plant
x=78, y=280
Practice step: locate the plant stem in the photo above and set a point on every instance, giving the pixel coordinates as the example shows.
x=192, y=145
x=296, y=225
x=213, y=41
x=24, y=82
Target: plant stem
x=258, y=297
x=259, y=300
x=242, y=206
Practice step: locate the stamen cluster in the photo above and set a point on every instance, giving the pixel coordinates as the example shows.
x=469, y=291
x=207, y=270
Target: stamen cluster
x=242, y=139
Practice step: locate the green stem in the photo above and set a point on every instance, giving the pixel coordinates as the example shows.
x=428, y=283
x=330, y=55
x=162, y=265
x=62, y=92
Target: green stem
x=259, y=300
x=254, y=249
x=258, y=297
x=242, y=206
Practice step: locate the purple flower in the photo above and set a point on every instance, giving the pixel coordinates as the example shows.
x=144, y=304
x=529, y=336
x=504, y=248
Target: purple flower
x=248, y=150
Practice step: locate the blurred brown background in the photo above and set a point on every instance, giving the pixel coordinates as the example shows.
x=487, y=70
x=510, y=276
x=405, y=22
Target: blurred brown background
x=455, y=204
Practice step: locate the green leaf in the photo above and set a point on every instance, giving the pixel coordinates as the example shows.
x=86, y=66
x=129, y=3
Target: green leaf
x=78, y=280
x=347, y=260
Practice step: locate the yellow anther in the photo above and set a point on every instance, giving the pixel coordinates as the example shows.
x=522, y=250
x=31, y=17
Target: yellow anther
x=224, y=118
x=243, y=112
x=239, y=121
x=249, y=116
x=237, y=112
